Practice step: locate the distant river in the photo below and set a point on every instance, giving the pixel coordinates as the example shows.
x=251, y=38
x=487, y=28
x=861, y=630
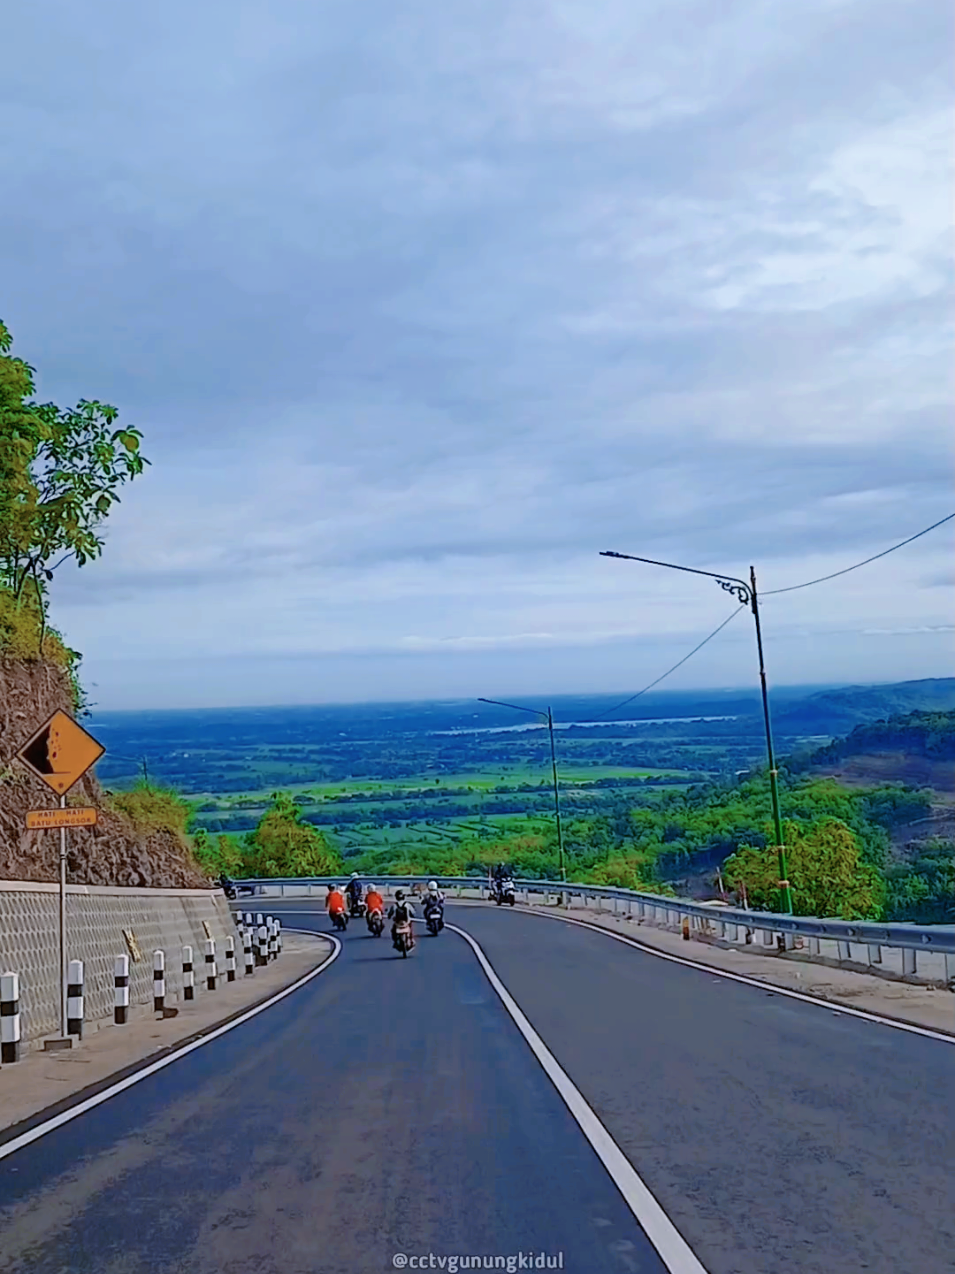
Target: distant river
x=565, y=725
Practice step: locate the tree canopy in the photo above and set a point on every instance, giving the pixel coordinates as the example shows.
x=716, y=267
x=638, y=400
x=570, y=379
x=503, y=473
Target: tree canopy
x=60, y=474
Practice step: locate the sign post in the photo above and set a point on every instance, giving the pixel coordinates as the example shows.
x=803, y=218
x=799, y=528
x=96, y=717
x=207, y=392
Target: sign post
x=59, y=754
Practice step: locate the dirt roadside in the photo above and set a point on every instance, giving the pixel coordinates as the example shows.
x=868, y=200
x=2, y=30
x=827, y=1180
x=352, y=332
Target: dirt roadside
x=928, y=1007
x=42, y=1080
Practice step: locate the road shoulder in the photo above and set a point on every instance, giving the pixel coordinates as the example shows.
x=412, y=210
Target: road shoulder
x=41, y=1083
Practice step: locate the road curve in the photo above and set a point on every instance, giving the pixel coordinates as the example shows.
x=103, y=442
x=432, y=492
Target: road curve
x=387, y=1107
x=778, y=1135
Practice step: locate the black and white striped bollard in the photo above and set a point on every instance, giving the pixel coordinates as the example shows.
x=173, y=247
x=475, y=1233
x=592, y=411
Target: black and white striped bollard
x=188, y=976
x=121, y=990
x=262, y=942
x=278, y=937
x=9, y=1018
x=270, y=926
x=159, y=981
x=230, y=959
x=247, y=952
x=74, y=999
x=210, y=964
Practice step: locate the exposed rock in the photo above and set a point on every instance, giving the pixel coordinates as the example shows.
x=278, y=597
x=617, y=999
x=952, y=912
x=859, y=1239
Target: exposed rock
x=113, y=852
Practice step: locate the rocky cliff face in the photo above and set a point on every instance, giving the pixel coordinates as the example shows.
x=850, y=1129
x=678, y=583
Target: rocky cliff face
x=112, y=853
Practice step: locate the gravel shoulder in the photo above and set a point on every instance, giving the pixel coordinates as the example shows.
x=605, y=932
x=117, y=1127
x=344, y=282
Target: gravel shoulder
x=42, y=1081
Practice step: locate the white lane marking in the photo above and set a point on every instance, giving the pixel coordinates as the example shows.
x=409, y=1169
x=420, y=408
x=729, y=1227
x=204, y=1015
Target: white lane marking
x=865, y=1014
x=64, y=1117
x=659, y=1229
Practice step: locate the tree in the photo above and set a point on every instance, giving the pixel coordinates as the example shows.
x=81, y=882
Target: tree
x=60, y=474
x=827, y=874
x=217, y=856
x=284, y=845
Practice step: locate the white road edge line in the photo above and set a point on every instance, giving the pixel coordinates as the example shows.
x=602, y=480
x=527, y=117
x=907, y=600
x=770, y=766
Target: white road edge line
x=834, y=1006
x=65, y=1116
x=673, y=1249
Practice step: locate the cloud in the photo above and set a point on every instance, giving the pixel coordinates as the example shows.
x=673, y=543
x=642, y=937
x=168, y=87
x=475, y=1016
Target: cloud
x=420, y=307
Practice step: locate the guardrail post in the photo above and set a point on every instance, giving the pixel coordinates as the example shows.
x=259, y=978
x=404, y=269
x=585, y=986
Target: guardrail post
x=230, y=959
x=159, y=981
x=120, y=990
x=875, y=953
x=909, y=961
x=845, y=951
x=950, y=971
x=210, y=964
x=768, y=938
x=815, y=947
x=247, y=951
x=74, y=999
x=9, y=1018
x=188, y=975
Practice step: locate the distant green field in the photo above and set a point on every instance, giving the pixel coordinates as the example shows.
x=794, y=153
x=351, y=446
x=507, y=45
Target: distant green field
x=485, y=781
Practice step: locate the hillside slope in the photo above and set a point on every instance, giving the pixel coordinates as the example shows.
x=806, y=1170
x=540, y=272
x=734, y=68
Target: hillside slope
x=112, y=853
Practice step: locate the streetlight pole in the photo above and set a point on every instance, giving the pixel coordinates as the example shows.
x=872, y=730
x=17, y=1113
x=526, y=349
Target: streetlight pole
x=549, y=718
x=746, y=594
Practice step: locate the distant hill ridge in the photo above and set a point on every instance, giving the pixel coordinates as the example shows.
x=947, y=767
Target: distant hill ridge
x=838, y=712
x=928, y=734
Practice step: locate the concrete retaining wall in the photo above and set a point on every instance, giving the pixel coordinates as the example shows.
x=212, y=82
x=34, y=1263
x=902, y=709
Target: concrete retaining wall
x=96, y=916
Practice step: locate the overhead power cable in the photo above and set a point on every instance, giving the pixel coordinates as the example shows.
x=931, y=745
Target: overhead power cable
x=885, y=552
x=618, y=706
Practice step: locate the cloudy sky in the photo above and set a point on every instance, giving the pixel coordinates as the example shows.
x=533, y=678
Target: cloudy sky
x=420, y=306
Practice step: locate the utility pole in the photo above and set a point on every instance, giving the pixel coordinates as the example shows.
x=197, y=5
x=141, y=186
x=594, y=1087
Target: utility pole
x=746, y=595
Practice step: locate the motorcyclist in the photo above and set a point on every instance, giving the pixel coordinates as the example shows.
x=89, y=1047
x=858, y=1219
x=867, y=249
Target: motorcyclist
x=500, y=874
x=433, y=898
x=353, y=889
x=374, y=901
x=335, y=901
x=434, y=902
x=400, y=912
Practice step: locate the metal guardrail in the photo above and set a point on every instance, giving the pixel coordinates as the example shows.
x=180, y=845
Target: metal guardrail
x=729, y=923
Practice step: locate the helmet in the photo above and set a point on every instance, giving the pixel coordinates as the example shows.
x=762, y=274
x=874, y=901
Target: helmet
x=433, y=886
x=354, y=875
x=399, y=894
x=371, y=888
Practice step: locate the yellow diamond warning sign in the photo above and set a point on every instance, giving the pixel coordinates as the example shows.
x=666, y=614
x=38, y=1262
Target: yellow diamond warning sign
x=60, y=752
x=73, y=817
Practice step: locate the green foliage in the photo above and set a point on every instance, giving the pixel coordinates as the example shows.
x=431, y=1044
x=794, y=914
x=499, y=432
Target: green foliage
x=827, y=874
x=283, y=845
x=922, y=891
x=218, y=855
x=60, y=474
x=152, y=809
x=919, y=733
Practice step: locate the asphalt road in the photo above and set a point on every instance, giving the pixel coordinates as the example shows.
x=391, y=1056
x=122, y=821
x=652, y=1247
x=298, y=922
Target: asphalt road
x=387, y=1107
x=392, y=1107
x=778, y=1136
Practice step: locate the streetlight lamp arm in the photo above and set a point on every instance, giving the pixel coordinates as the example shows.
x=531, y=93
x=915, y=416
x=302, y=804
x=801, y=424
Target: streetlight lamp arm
x=739, y=588
x=516, y=706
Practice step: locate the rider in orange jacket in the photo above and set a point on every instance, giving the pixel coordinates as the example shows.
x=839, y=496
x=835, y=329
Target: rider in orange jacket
x=335, y=900
x=374, y=900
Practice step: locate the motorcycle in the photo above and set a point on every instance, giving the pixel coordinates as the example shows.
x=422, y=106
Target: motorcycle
x=505, y=893
x=356, y=907
x=404, y=938
x=434, y=917
x=376, y=923
x=339, y=920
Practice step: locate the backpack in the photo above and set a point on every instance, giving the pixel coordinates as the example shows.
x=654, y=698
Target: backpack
x=401, y=913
